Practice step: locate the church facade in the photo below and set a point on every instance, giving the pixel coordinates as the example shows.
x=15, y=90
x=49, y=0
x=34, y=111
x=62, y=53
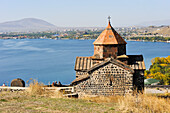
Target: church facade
x=109, y=71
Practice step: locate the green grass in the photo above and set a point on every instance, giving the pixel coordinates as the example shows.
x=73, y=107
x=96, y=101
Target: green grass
x=3, y=100
x=19, y=102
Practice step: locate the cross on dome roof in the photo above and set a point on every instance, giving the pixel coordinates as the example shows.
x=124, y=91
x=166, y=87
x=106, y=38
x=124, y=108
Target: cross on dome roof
x=109, y=18
x=109, y=36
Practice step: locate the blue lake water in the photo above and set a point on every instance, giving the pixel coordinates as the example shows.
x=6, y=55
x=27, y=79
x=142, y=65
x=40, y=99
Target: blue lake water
x=52, y=60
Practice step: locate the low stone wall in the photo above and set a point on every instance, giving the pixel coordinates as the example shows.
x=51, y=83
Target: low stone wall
x=64, y=89
x=12, y=89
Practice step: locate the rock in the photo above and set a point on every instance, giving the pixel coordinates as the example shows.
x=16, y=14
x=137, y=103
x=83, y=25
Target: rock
x=17, y=83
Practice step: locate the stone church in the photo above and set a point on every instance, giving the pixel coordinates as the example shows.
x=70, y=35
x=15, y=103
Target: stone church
x=109, y=71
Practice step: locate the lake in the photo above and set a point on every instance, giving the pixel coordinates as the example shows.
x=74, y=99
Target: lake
x=52, y=60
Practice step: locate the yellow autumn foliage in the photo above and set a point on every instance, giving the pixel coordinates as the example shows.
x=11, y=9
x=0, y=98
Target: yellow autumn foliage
x=160, y=70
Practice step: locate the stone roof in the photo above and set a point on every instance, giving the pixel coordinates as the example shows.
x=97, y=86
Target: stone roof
x=109, y=37
x=83, y=63
x=114, y=61
x=84, y=77
x=136, y=62
x=122, y=56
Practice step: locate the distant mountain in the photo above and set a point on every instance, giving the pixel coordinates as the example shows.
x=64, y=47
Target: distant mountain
x=26, y=25
x=155, y=23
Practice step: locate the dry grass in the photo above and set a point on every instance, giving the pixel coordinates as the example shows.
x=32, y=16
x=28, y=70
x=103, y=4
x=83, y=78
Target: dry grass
x=144, y=104
x=39, y=99
x=140, y=103
x=38, y=89
x=102, y=99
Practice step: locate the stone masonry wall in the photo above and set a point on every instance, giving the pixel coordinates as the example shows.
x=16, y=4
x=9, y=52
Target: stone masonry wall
x=107, y=80
x=138, y=80
x=105, y=51
x=110, y=51
x=121, y=50
x=98, y=51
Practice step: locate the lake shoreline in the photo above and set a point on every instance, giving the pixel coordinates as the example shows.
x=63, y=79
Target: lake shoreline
x=82, y=39
x=148, y=41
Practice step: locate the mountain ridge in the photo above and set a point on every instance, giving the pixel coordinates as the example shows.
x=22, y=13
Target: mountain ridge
x=26, y=25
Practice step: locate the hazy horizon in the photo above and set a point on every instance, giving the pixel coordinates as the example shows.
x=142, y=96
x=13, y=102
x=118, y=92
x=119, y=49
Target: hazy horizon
x=87, y=13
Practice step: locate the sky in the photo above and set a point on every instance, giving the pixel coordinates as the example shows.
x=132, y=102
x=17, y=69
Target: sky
x=86, y=13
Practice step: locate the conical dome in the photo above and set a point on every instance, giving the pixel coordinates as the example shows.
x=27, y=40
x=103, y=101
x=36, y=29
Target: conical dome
x=109, y=37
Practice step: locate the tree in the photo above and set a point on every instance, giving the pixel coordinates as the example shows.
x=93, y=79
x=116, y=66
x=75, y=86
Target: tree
x=160, y=70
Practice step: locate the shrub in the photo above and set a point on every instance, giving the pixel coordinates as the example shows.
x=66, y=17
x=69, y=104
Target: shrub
x=36, y=88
